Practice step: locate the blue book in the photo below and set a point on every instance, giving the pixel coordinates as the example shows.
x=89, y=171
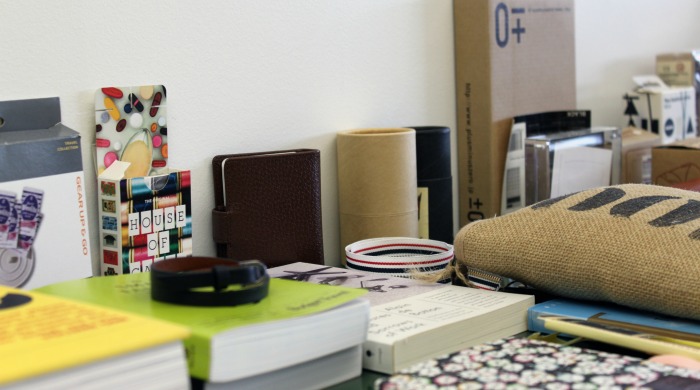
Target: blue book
x=612, y=315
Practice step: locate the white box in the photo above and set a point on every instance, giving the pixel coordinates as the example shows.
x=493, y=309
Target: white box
x=663, y=110
x=42, y=192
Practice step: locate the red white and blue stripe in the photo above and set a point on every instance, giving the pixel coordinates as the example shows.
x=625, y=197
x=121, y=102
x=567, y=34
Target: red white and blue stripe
x=398, y=256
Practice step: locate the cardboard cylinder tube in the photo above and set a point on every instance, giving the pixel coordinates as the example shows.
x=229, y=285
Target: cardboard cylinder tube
x=377, y=184
x=434, y=170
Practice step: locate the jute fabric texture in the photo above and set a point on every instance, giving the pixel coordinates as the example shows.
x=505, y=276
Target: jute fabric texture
x=636, y=245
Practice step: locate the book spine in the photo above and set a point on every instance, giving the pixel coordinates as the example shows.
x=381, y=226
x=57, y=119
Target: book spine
x=378, y=357
x=198, y=351
x=642, y=321
x=535, y=323
x=623, y=337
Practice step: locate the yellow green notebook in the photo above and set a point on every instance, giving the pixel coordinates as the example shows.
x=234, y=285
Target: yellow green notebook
x=43, y=335
x=296, y=322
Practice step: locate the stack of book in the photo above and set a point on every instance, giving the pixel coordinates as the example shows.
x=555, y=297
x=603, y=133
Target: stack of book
x=620, y=326
x=412, y=320
x=596, y=345
x=47, y=342
x=301, y=335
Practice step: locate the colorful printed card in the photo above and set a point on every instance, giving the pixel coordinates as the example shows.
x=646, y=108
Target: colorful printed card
x=143, y=219
x=131, y=126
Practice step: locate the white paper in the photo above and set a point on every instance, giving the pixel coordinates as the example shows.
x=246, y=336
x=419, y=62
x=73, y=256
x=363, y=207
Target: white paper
x=513, y=190
x=403, y=318
x=580, y=168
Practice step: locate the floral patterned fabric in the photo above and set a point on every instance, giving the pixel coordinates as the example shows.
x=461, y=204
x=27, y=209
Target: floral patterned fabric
x=521, y=363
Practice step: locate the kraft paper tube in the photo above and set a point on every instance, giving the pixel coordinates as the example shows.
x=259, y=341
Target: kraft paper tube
x=377, y=184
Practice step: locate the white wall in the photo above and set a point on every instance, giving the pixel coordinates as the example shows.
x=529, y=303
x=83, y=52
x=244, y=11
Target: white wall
x=256, y=75
x=618, y=39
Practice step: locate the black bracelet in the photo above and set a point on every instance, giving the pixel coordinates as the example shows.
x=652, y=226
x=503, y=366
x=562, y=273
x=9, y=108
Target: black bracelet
x=208, y=281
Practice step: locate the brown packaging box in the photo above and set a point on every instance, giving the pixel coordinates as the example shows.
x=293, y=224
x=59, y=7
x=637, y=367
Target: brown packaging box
x=636, y=154
x=681, y=70
x=512, y=58
x=676, y=163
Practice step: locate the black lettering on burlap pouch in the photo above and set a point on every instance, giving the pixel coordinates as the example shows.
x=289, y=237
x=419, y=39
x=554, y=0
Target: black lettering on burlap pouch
x=634, y=244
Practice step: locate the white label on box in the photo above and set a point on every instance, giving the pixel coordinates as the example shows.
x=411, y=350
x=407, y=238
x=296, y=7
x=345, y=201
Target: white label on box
x=146, y=222
x=169, y=217
x=181, y=211
x=152, y=244
x=140, y=266
x=157, y=220
x=146, y=265
x=164, y=242
x=134, y=224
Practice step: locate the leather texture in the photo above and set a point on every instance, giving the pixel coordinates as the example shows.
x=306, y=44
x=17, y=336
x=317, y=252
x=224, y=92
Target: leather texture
x=268, y=206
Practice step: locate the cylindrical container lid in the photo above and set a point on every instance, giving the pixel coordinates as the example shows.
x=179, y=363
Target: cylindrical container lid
x=433, y=152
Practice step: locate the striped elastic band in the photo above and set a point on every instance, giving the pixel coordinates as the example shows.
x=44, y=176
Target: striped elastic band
x=398, y=255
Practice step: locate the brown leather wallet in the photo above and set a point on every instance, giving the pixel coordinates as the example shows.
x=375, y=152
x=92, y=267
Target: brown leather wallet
x=268, y=206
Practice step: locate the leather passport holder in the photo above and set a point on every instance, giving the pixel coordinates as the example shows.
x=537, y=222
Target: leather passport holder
x=268, y=206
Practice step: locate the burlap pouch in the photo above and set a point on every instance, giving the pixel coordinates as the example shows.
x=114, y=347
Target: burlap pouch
x=635, y=245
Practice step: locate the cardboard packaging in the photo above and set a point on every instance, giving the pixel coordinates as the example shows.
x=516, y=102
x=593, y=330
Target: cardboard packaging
x=377, y=184
x=512, y=58
x=663, y=110
x=636, y=155
x=434, y=172
x=44, y=234
x=142, y=219
x=681, y=70
x=676, y=163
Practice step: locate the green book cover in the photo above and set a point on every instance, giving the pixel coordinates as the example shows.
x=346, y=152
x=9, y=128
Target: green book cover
x=131, y=292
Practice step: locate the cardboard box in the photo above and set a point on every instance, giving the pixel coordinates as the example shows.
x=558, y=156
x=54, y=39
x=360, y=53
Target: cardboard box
x=512, y=58
x=663, y=110
x=676, y=163
x=681, y=70
x=44, y=235
x=142, y=219
x=636, y=154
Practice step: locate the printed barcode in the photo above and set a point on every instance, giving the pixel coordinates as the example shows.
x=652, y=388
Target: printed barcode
x=513, y=187
x=516, y=140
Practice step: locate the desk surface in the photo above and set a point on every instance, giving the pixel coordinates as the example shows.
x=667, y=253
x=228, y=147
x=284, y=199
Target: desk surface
x=362, y=382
